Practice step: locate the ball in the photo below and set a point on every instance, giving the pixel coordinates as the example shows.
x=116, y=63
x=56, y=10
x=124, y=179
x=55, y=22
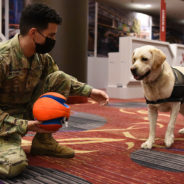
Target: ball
x=51, y=109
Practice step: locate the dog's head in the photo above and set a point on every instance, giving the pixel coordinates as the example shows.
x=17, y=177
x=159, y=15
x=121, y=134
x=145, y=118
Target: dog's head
x=145, y=60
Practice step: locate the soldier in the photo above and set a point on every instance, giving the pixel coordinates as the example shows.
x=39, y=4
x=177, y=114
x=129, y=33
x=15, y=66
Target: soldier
x=27, y=71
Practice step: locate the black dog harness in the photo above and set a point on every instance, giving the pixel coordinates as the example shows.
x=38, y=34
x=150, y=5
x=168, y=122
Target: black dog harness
x=178, y=90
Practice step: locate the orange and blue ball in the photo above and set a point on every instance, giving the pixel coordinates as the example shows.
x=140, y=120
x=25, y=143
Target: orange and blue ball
x=51, y=109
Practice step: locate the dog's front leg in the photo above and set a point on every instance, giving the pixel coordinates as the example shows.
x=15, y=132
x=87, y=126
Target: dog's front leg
x=152, y=114
x=169, y=136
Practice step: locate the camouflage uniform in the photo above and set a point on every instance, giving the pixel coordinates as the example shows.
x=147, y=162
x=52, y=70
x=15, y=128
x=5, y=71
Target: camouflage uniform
x=22, y=80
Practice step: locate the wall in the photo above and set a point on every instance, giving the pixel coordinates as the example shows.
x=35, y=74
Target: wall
x=97, y=72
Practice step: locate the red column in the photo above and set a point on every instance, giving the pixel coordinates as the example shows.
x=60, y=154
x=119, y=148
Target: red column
x=163, y=21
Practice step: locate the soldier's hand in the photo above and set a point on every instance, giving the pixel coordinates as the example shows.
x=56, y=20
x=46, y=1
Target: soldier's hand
x=33, y=126
x=99, y=96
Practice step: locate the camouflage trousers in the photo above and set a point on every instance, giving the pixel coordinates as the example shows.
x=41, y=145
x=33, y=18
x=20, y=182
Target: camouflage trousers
x=12, y=157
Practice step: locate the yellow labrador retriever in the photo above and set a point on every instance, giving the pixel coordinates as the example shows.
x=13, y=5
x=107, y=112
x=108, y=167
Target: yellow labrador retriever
x=162, y=86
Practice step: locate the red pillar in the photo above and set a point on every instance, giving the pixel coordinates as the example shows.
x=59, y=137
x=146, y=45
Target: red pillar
x=163, y=21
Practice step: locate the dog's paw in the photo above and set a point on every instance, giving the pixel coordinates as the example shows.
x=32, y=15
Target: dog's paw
x=169, y=140
x=181, y=131
x=147, y=145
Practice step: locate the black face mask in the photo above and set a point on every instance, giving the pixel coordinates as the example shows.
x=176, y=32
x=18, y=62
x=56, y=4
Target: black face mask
x=46, y=47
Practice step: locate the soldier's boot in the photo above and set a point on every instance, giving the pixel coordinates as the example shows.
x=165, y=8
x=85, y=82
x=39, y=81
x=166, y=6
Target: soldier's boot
x=45, y=144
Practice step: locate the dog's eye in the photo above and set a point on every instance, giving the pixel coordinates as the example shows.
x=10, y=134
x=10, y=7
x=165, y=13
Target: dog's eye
x=144, y=59
x=133, y=60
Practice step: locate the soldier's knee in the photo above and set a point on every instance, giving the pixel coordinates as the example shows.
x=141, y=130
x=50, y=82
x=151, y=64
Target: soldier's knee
x=59, y=75
x=58, y=82
x=11, y=170
x=12, y=161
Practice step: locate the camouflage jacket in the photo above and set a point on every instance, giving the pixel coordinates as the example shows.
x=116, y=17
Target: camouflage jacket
x=18, y=78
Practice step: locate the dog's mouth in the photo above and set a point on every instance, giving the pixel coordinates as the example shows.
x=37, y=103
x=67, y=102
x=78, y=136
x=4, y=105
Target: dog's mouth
x=140, y=77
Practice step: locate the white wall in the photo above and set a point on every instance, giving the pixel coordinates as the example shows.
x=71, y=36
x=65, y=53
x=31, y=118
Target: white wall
x=178, y=50
x=97, y=72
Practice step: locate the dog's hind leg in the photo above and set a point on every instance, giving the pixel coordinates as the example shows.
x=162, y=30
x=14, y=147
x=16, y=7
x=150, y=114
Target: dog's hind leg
x=181, y=131
x=169, y=136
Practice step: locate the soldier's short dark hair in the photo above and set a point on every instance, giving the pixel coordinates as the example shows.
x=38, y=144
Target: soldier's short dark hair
x=38, y=15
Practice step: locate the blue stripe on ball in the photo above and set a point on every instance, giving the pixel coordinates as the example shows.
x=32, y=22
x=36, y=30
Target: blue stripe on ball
x=60, y=100
x=58, y=121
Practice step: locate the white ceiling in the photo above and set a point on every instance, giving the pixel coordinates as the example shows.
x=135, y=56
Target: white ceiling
x=174, y=8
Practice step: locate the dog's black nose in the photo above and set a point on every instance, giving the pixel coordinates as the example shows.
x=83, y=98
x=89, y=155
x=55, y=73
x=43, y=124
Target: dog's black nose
x=134, y=71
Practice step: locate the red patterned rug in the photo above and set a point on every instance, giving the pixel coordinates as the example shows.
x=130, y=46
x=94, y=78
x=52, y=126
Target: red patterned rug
x=103, y=154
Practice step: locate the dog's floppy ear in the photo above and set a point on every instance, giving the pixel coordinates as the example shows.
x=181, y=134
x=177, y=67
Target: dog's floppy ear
x=158, y=57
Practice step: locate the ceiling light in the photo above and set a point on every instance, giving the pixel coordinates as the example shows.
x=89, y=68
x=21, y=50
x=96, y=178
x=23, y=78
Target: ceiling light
x=140, y=6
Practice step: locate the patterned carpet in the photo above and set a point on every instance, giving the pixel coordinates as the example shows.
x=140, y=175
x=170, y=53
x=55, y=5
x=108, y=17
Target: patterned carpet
x=103, y=152
x=44, y=176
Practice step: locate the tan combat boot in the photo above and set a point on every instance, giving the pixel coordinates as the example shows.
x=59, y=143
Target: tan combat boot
x=45, y=144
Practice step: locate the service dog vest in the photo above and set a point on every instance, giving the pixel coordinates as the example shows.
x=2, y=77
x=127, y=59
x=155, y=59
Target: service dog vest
x=178, y=90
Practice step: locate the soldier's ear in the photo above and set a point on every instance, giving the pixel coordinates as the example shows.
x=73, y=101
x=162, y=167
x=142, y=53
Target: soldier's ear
x=32, y=32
